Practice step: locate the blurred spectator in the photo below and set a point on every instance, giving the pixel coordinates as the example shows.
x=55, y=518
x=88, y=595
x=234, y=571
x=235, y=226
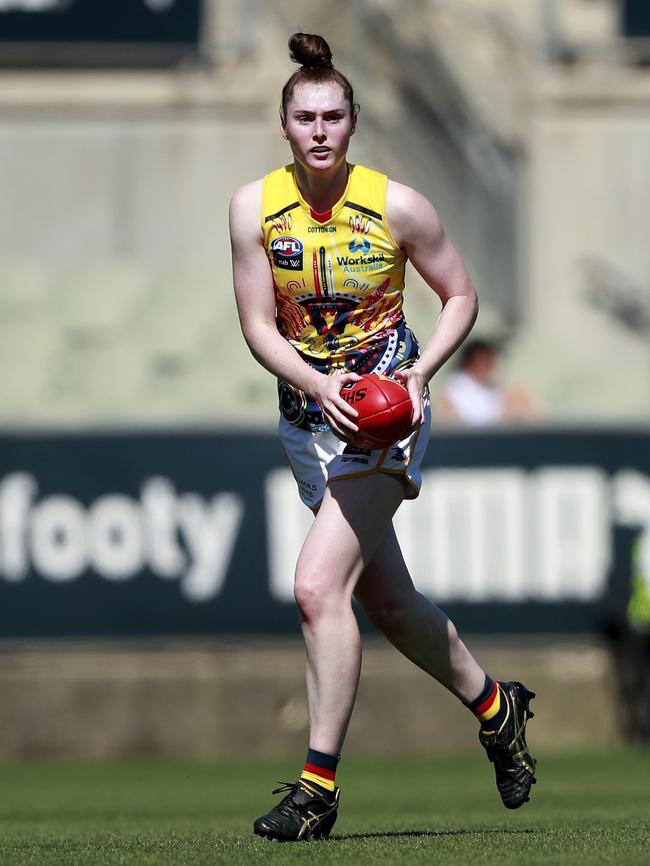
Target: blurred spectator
x=471, y=394
x=625, y=621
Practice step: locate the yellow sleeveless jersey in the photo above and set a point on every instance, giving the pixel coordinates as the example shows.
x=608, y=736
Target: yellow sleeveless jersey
x=339, y=282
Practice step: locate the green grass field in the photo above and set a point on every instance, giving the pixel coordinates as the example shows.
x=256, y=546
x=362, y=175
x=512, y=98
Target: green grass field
x=589, y=809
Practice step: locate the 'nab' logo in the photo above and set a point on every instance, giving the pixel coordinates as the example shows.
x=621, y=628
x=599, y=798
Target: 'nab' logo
x=287, y=253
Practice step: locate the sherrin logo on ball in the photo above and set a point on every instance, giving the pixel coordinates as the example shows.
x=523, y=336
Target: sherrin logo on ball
x=384, y=410
x=287, y=253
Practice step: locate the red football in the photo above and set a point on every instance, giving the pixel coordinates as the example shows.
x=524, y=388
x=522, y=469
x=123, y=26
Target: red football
x=384, y=408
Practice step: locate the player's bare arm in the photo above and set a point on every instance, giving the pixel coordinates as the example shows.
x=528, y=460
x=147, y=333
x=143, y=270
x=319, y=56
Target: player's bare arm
x=418, y=230
x=255, y=295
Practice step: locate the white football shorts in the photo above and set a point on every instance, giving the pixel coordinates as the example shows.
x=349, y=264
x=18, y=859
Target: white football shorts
x=316, y=458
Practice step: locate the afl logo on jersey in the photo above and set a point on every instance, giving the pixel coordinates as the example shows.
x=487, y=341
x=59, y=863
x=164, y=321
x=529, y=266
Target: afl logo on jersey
x=287, y=253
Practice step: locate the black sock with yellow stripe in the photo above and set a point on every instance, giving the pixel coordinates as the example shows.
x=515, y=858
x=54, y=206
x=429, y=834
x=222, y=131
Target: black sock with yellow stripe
x=490, y=707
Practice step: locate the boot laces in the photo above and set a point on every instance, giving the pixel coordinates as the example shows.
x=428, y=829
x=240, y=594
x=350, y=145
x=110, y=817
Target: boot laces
x=288, y=805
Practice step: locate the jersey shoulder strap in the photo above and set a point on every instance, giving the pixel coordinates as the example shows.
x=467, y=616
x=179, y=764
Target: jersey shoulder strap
x=367, y=192
x=278, y=195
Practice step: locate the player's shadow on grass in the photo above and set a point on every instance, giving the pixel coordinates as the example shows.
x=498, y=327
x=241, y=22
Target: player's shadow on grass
x=401, y=834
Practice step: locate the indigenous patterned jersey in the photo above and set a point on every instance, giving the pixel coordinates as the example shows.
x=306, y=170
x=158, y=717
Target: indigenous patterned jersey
x=339, y=280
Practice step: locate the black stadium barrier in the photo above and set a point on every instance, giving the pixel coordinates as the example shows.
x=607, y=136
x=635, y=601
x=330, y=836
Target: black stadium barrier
x=188, y=533
x=100, y=33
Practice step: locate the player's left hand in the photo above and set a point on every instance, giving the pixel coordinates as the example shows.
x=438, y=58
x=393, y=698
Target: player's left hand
x=415, y=382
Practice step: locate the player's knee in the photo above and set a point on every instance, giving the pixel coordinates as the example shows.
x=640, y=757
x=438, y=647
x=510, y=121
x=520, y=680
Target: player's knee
x=311, y=591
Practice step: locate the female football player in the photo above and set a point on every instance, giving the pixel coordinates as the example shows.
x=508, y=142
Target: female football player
x=319, y=251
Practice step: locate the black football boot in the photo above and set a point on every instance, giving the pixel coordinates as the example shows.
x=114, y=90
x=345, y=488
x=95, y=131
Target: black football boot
x=307, y=812
x=506, y=747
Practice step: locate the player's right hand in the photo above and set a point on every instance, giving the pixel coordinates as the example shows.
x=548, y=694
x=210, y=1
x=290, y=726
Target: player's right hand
x=338, y=414
x=415, y=382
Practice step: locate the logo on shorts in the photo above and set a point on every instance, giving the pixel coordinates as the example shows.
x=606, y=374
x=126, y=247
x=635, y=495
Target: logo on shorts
x=354, y=449
x=306, y=489
x=397, y=454
x=287, y=253
x=354, y=454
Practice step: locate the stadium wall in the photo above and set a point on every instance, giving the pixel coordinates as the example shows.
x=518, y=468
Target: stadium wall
x=216, y=698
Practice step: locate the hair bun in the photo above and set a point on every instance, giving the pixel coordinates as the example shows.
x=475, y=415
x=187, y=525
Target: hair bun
x=310, y=51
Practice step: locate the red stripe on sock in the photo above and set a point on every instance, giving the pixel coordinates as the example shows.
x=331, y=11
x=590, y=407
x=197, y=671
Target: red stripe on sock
x=321, y=771
x=487, y=703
